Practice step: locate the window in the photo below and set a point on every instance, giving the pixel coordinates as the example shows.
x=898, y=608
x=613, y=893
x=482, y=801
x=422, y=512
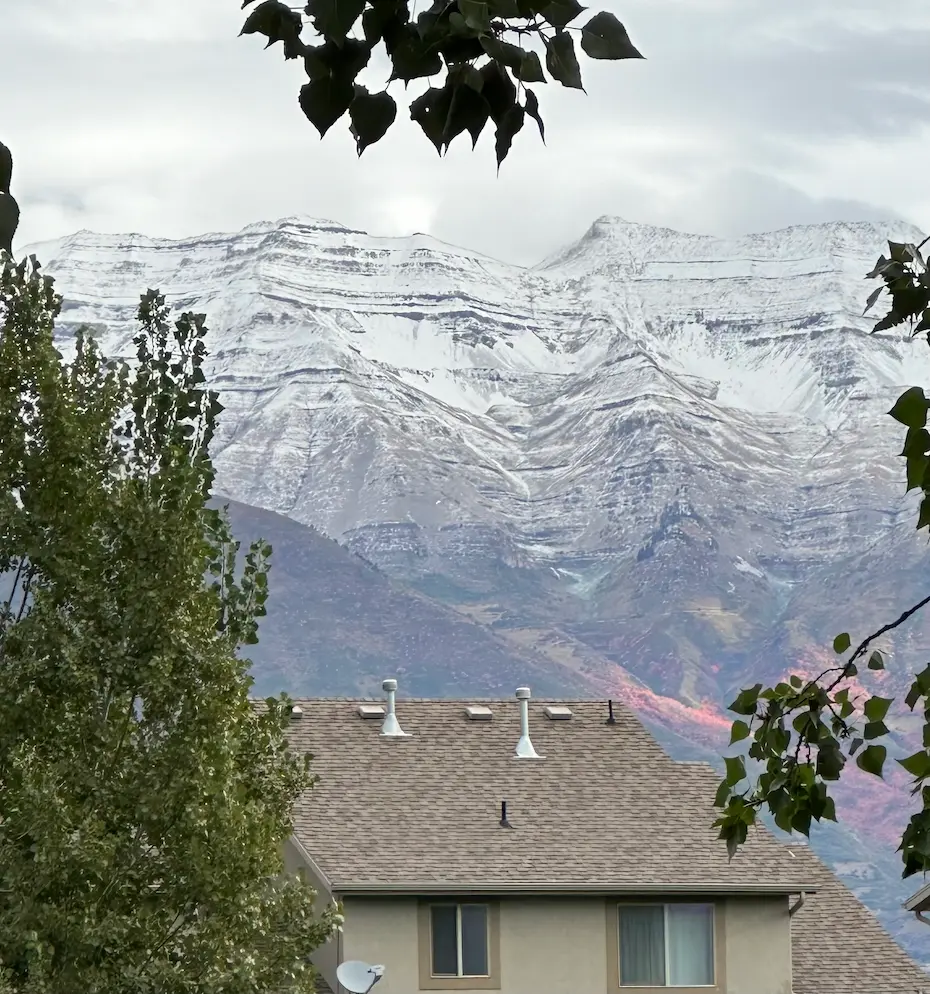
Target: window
x=666, y=945
x=459, y=940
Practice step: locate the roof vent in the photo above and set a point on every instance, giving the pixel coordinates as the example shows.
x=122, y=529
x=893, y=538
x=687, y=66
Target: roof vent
x=297, y=711
x=478, y=712
x=557, y=712
x=391, y=725
x=525, y=748
x=370, y=711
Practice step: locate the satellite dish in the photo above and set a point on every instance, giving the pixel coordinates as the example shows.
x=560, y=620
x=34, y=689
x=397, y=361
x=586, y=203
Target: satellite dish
x=358, y=977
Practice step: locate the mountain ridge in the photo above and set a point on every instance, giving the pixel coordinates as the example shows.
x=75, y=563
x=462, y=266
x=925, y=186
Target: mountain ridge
x=657, y=464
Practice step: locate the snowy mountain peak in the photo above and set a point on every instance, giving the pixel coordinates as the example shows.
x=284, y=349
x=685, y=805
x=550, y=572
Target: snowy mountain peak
x=421, y=347
x=657, y=462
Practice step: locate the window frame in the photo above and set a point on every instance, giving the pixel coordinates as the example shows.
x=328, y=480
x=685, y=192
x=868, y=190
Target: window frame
x=614, y=908
x=460, y=959
x=430, y=981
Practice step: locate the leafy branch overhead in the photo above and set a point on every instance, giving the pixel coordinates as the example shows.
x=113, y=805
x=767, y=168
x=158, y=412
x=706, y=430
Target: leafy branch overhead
x=802, y=733
x=480, y=46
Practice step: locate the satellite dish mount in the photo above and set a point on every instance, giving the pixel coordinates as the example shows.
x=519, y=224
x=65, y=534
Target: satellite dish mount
x=357, y=977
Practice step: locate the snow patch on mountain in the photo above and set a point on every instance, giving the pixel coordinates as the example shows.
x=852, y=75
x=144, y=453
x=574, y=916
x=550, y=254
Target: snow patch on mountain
x=561, y=408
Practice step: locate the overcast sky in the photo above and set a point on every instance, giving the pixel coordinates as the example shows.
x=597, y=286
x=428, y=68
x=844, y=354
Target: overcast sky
x=132, y=115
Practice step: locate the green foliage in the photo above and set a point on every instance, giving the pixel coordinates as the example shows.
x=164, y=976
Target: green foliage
x=462, y=38
x=802, y=733
x=143, y=799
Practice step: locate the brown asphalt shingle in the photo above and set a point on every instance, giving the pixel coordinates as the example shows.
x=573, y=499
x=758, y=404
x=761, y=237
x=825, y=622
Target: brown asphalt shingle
x=838, y=945
x=606, y=807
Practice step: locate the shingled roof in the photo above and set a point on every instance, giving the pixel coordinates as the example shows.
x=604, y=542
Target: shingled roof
x=606, y=809
x=838, y=945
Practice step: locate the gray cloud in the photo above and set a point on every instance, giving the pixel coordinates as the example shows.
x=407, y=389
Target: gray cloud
x=745, y=115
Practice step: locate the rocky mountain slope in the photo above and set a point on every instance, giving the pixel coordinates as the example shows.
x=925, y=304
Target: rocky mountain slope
x=654, y=465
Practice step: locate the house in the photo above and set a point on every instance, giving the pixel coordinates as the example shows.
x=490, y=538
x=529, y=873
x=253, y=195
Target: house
x=551, y=847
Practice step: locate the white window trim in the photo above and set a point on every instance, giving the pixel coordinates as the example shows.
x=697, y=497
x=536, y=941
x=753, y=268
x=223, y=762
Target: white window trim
x=665, y=907
x=458, y=905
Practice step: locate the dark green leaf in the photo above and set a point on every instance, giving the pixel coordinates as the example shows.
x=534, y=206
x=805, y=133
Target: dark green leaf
x=511, y=123
x=334, y=19
x=562, y=62
x=841, y=643
x=465, y=75
x=372, y=114
x=561, y=12
x=876, y=708
x=532, y=109
x=383, y=20
x=276, y=21
x=504, y=8
x=324, y=101
x=913, y=696
x=872, y=759
x=830, y=760
x=498, y=89
x=314, y=65
x=801, y=822
x=855, y=746
x=876, y=662
x=723, y=792
x=873, y=296
x=413, y=58
x=468, y=111
x=530, y=70
x=476, y=14
x=918, y=765
x=505, y=53
x=916, y=442
x=874, y=730
x=604, y=37
x=747, y=700
x=923, y=516
x=524, y=63
x=739, y=731
x=435, y=21
x=915, y=472
x=910, y=409
x=736, y=769
x=456, y=49
x=345, y=61
x=431, y=111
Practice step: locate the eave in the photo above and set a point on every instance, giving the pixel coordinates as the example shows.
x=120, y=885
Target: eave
x=552, y=889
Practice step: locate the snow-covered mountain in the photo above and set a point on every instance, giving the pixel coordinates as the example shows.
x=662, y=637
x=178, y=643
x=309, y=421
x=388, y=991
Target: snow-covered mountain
x=660, y=461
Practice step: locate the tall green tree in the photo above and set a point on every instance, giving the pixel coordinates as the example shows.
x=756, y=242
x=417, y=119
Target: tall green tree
x=800, y=735
x=143, y=799
x=483, y=48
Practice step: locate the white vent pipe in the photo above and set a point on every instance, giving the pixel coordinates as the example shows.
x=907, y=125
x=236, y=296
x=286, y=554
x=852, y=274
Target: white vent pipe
x=391, y=726
x=525, y=748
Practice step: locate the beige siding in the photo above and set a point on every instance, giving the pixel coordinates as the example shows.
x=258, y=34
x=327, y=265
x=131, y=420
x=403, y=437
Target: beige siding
x=326, y=957
x=553, y=946
x=384, y=931
x=758, y=942
x=562, y=945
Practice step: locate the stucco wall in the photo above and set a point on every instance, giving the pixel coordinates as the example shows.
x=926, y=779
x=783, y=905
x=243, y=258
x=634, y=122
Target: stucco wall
x=560, y=945
x=758, y=944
